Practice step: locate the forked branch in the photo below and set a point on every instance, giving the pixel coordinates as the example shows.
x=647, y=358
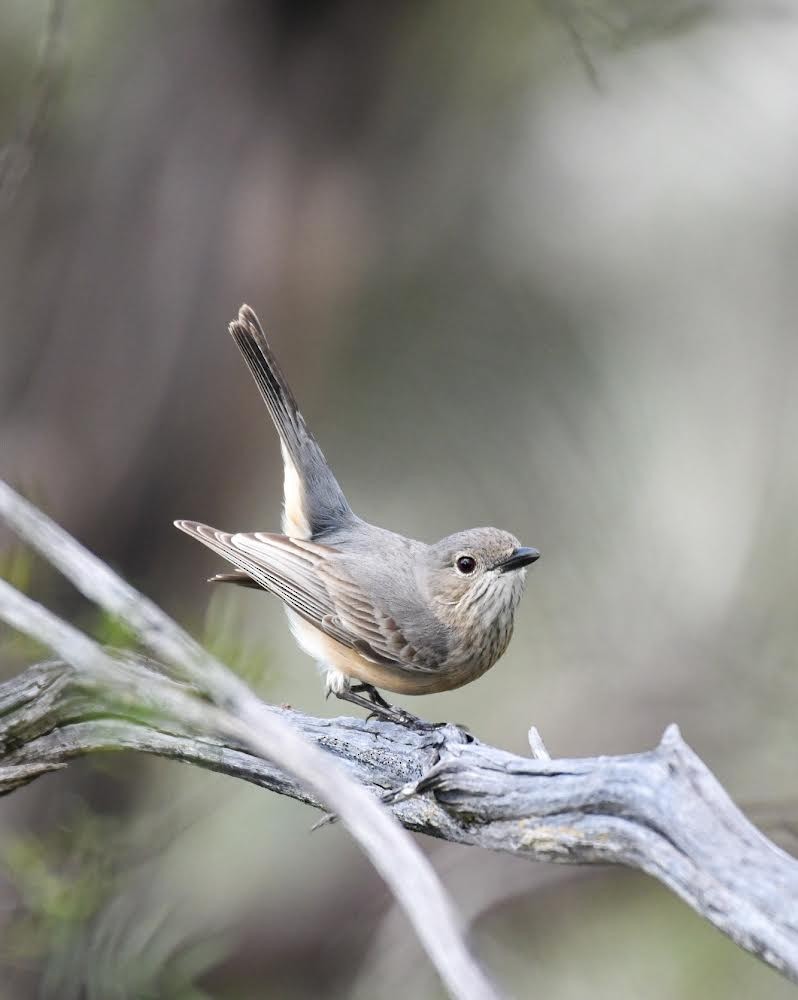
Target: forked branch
x=204, y=695
x=660, y=811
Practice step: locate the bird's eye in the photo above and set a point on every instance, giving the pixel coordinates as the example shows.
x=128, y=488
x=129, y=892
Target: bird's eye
x=466, y=564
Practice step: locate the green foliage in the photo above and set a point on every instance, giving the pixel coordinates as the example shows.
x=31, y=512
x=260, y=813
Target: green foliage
x=16, y=567
x=112, y=631
x=62, y=879
x=18, y=562
x=225, y=635
x=86, y=917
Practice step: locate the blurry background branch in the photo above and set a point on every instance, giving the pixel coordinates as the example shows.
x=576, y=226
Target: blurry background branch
x=18, y=155
x=232, y=711
x=662, y=811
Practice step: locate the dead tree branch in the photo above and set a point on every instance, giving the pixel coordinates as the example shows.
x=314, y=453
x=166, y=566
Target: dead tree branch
x=231, y=711
x=661, y=811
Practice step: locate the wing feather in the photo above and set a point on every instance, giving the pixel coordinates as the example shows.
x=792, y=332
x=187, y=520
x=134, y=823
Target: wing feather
x=311, y=579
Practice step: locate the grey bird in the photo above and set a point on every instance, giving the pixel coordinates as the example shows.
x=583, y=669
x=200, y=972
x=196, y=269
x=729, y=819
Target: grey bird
x=373, y=608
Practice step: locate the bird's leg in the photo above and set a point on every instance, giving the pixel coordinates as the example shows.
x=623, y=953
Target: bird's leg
x=367, y=696
x=404, y=718
x=373, y=696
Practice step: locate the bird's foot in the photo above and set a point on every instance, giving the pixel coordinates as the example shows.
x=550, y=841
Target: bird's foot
x=401, y=717
x=367, y=696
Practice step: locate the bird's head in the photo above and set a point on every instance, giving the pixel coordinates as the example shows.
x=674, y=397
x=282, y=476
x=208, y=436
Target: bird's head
x=477, y=574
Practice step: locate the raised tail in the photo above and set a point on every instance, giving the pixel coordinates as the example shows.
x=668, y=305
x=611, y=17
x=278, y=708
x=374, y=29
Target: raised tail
x=314, y=502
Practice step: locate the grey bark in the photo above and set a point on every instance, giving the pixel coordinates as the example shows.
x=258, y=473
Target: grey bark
x=661, y=811
x=209, y=698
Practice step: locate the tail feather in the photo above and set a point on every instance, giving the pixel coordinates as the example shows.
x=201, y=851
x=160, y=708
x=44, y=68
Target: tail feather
x=314, y=502
x=251, y=340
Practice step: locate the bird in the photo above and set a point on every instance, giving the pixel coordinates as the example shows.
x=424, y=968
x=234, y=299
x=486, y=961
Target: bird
x=375, y=609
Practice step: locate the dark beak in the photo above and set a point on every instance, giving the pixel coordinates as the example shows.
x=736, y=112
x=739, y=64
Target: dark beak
x=518, y=559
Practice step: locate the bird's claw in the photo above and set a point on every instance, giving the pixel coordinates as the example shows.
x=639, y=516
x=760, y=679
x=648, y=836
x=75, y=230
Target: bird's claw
x=369, y=697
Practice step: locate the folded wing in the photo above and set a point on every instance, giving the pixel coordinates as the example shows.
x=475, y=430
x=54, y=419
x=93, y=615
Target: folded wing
x=310, y=578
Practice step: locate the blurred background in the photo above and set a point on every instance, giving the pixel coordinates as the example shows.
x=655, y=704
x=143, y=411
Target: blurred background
x=525, y=264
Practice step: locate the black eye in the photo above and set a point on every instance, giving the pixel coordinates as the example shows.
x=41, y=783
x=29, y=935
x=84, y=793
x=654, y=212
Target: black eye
x=466, y=564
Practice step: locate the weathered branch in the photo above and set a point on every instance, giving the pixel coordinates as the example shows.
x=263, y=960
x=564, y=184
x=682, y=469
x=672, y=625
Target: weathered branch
x=232, y=711
x=661, y=811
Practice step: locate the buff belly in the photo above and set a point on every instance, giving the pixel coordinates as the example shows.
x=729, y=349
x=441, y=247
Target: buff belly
x=332, y=656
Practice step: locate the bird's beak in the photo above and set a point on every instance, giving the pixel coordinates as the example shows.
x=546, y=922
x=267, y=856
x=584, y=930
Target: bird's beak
x=519, y=558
